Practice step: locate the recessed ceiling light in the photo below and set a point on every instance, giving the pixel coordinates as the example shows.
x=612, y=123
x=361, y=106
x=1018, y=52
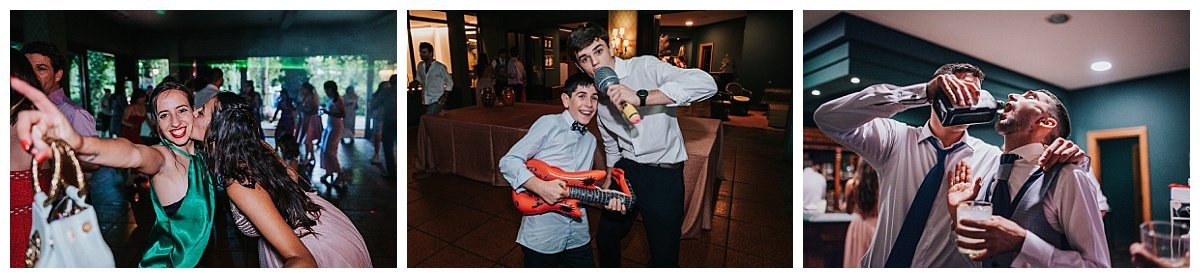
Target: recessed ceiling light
x=854, y=80
x=1058, y=18
x=816, y=92
x=1101, y=66
x=688, y=23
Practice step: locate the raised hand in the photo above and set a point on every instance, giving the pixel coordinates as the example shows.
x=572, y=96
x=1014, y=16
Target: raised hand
x=962, y=189
x=34, y=126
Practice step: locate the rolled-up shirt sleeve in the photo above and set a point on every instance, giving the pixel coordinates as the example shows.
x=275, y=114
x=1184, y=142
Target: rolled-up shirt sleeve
x=683, y=86
x=861, y=121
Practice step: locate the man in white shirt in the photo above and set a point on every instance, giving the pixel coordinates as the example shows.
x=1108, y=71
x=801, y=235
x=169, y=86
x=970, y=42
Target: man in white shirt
x=435, y=78
x=1034, y=224
x=652, y=152
x=814, y=188
x=913, y=162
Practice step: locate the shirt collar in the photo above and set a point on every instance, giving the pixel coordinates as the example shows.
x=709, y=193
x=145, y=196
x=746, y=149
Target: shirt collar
x=568, y=119
x=926, y=133
x=212, y=87
x=1029, y=152
x=566, y=115
x=58, y=96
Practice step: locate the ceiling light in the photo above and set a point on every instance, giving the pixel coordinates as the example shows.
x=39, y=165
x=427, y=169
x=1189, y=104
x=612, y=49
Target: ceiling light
x=854, y=80
x=1058, y=18
x=688, y=23
x=816, y=92
x=1101, y=66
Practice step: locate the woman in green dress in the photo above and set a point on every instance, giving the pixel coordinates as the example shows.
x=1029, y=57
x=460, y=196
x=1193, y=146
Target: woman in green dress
x=183, y=192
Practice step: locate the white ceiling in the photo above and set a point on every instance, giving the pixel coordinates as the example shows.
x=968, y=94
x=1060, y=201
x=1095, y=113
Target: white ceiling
x=1137, y=43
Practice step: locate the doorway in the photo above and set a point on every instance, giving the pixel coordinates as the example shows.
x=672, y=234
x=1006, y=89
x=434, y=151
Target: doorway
x=706, y=53
x=1120, y=161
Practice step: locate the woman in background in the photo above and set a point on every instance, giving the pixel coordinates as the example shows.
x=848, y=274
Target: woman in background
x=485, y=77
x=862, y=201
x=310, y=120
x=351, y=108
x=285, y=113
x=134, y=117
x=334, y=111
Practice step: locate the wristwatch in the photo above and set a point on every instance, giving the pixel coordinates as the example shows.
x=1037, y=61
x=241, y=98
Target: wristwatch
x=642, y=94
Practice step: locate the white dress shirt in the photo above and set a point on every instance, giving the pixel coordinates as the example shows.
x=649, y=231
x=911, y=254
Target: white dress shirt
x=902, y=156
x=814, y=190
x=436, y=81
x=656, y=139
x=516, y=72
x=1071, y=209
x=550, y=140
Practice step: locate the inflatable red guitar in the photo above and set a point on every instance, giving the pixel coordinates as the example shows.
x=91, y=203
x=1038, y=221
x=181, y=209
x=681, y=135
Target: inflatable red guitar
x=581, y=187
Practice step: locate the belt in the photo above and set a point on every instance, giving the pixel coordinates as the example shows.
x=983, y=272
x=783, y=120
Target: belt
x=678, y=165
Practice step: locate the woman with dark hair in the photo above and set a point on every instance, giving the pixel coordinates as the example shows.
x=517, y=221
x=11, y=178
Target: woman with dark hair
x=334, y=112
x=285, y=113
x=20, y=175
x=310, y=120
x=485, y=77
x=350, y=101
x=270, y=200
x=862, y=200
x=182, y=192
x=134, y=116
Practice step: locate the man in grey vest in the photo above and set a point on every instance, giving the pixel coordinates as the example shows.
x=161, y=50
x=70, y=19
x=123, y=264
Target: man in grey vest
x=1040, y=217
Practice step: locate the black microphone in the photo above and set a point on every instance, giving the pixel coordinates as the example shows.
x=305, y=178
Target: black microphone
x=606, y=76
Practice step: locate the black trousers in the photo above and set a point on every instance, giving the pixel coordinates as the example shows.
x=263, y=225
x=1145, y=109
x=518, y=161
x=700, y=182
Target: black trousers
x=659, y=193
x=575, y=257
x=389, y=146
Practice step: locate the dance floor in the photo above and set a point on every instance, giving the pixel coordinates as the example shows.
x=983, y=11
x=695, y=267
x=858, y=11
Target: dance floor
x=365, y=196
x=459, y=222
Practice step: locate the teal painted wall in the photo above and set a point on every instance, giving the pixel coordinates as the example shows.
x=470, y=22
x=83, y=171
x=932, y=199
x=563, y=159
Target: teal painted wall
x=1120, y=224
x=726, y=37
x=766, y=53
x=1158, y=102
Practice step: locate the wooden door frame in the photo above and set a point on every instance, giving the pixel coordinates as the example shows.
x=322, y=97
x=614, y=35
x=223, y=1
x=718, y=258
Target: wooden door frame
x=1138, y=132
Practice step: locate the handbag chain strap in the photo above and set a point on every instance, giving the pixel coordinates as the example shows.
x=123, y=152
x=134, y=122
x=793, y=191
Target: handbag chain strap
x=59, y=149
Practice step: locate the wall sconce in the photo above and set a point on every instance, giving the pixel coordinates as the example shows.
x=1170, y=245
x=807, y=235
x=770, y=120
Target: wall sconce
x=618, y=42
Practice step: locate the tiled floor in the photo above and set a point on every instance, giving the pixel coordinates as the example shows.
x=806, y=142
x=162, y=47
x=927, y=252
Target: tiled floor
x=365, y=196
x=456, y=222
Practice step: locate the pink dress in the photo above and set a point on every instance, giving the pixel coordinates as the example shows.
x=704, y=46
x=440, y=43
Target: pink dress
x=858, y=239
x=334, y=243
